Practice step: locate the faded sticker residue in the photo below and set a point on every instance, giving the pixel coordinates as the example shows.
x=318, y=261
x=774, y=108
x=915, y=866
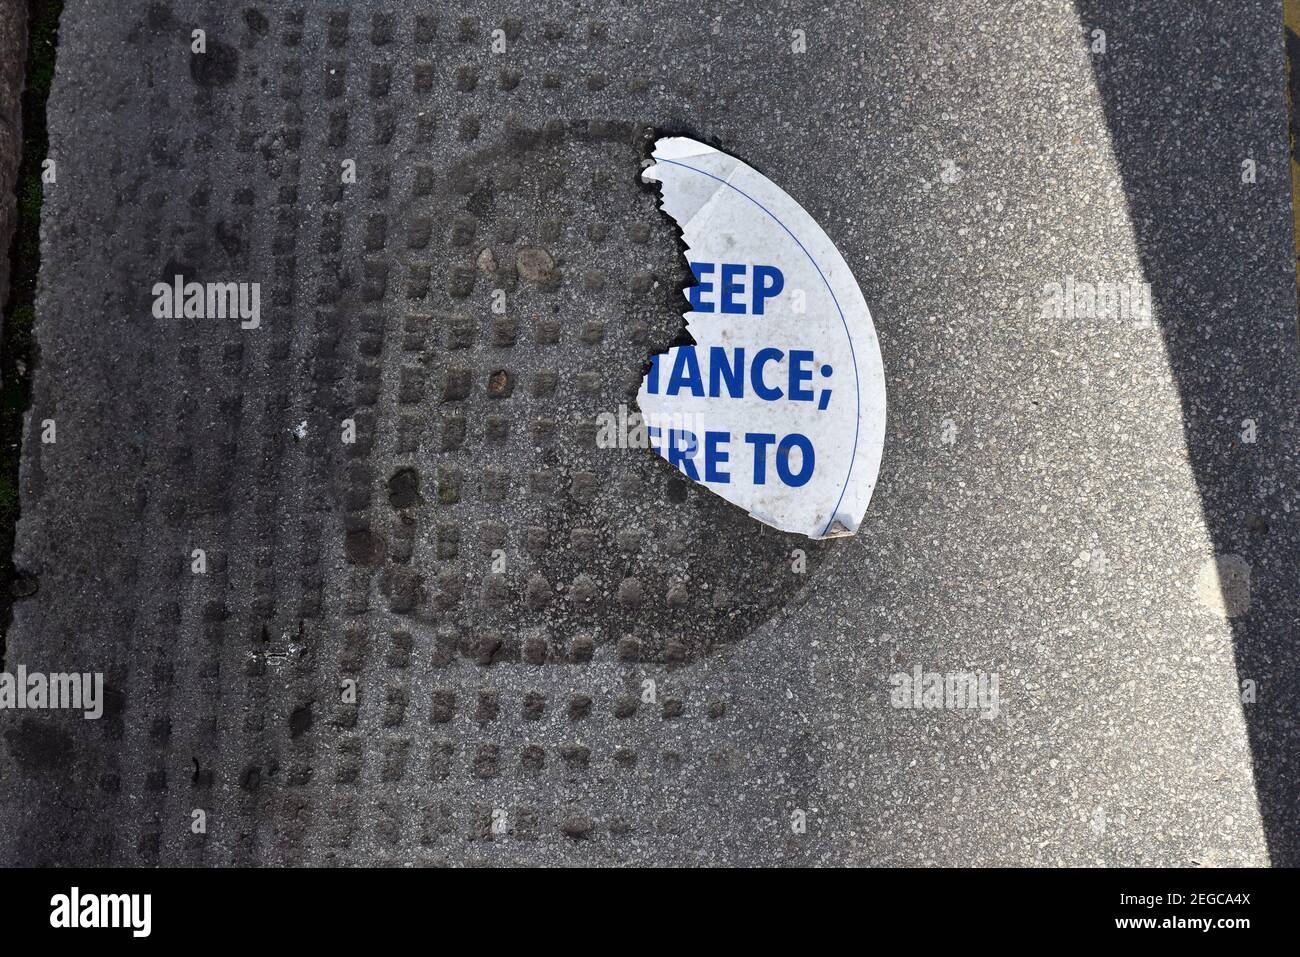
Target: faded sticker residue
x=779, y=407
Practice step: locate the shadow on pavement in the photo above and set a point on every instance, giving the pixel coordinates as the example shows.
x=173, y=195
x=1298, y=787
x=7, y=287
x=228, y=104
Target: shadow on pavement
x=1186, y=107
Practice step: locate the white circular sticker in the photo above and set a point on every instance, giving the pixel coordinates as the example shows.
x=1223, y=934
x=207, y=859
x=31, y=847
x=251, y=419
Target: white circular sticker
x=779, y=407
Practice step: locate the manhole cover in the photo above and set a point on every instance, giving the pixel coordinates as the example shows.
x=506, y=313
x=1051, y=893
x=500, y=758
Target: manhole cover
x=538, y=277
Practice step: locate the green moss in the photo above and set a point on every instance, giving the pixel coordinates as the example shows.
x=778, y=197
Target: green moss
x=18, y=348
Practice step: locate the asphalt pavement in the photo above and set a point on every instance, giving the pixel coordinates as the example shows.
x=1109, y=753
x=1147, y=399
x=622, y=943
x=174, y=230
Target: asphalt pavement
x=470, y=636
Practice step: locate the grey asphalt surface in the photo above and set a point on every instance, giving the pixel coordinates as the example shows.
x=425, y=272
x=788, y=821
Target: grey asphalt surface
x=1052, y=490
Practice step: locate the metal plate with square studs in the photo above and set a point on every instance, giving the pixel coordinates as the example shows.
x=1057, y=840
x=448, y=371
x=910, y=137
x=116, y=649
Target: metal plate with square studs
x=514, y=532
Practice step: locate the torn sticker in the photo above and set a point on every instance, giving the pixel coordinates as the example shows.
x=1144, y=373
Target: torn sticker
x=779, y=406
